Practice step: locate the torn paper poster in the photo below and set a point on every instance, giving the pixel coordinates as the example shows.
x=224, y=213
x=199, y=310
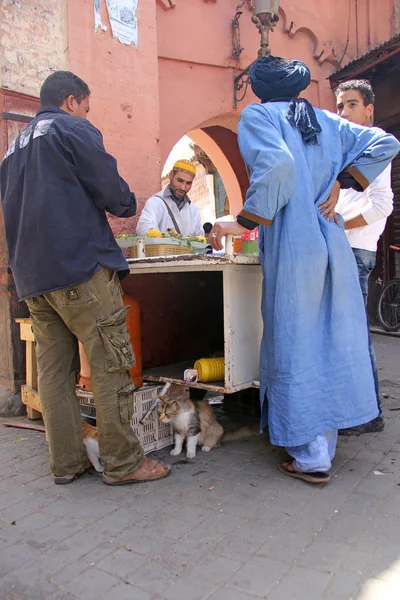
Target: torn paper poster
x=97, y=17
x=123, y=21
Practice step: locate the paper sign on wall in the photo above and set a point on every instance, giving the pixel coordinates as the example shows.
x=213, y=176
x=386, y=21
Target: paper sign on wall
x=123, y=20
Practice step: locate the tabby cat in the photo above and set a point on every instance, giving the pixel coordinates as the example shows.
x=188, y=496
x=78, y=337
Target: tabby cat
x=196, y=422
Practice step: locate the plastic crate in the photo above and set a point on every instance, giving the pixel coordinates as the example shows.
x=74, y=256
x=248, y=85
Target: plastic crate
x=153, y=435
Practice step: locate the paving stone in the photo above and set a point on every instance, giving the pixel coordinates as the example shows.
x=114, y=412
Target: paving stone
x=117, y=521
x=230, y=593
x=14, y=557
x=101, y=551
x=125, y=591
x=36, y=570
x=69, y=573
x=359, y=504
x=22, y=590
x=204, y=539
x=35, y=521
x=51, y=536
x=216, y=569
x=15, y=512
x=383, y=567
x=223, y=522
x=357, y=561
x=121, y=562
x=300, y=583
x=41, y=483
x=93, y=511
x=39, y=499
x=180, y=555
x=367, y=455
x=259, y=575
x=286, y=545
x=91, y=584
x=147, y=501
x=205, y=535
x=376, y=485
x=77, y=545
x=58, y=594
x=345, y=528
x=167, y=526
x=153, y=578
x=185, y=588
x=386, y=547
x=256, y=530
x=237, y=546
x=61, y=507
x=187, y=512
x=325, y=555
x=141, y=541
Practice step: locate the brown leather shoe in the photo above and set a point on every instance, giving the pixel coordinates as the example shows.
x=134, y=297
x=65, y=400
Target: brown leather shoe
x=65, y=479
x=149, y=471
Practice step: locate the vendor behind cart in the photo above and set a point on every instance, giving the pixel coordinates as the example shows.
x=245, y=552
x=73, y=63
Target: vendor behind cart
x=172, y=208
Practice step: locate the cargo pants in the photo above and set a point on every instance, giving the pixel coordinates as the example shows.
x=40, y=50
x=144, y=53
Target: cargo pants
x=93, y=313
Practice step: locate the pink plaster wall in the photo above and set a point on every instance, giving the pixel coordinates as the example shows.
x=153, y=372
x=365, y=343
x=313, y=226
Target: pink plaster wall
x=195, y=44
x=124, y=99
x=180, y=78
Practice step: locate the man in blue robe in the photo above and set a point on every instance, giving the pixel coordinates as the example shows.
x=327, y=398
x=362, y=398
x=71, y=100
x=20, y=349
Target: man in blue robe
x=315, y=370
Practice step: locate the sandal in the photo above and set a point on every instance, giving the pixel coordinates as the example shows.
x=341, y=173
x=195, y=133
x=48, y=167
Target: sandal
x=313, y=477
x=150, y=470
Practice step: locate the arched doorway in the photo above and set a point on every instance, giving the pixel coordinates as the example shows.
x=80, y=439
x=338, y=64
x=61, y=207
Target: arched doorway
x=220, y=157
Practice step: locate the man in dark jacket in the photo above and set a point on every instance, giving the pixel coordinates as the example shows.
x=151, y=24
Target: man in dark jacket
x=57, y=181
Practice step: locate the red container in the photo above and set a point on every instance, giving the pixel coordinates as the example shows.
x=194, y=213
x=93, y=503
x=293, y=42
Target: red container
x=250, y=236
x=250, y=242
x=133, y=325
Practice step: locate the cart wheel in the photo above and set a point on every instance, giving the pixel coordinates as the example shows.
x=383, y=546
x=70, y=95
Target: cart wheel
x=389, y=306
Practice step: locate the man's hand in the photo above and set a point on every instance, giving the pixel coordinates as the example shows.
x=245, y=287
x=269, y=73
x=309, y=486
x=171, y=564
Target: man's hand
x=223, y=228
x=328, y=208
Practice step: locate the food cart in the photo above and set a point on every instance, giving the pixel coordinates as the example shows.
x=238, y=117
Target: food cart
x=198, y=306
x=192, y=306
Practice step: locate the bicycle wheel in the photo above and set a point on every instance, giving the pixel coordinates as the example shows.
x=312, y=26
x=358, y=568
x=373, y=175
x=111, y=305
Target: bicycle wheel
x=389, y=306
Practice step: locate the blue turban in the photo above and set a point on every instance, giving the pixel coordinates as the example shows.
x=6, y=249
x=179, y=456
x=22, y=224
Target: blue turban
x=274, y=79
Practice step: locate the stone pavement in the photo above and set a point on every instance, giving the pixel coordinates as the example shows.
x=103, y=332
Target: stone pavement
x=228, y=526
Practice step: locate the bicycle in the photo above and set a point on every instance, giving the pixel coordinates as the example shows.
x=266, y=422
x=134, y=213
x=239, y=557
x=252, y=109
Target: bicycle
x=389, y=303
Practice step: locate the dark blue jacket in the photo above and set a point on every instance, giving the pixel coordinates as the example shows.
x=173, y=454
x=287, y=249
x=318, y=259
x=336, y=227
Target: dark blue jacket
x=57, y=181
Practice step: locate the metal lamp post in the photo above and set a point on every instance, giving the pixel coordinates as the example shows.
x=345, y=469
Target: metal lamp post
x=265, y=17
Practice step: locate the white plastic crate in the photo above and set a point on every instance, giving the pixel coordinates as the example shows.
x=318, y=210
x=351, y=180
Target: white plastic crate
x=152, y=434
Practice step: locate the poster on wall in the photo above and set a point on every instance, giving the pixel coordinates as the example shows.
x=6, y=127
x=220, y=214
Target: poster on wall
x=123, y=20
x=97, y=17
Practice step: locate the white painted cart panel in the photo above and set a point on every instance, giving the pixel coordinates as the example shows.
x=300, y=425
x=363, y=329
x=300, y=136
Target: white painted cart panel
x=242, y=284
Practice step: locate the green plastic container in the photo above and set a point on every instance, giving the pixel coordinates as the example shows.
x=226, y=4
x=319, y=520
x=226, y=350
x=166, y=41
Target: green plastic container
x=250, y=247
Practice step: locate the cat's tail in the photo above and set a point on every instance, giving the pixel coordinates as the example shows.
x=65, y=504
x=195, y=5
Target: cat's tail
x=243, y=433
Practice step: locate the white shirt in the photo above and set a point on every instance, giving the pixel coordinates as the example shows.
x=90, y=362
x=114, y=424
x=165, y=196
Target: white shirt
x=375, y=204
x=155, y=216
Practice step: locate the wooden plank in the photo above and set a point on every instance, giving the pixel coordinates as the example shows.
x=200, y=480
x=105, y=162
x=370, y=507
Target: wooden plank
x=26, y=332
x=173, y=373
x=25, y=426
x=31, y=367
x=33, y=414
x=30, y=398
